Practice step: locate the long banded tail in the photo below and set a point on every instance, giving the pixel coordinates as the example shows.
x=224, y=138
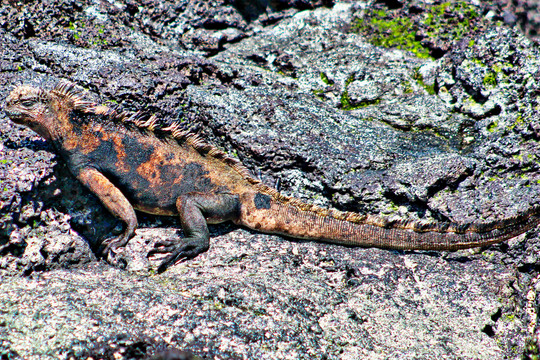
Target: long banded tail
x=296, y=219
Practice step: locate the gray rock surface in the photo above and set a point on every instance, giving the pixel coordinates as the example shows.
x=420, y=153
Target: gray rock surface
x=303, y=99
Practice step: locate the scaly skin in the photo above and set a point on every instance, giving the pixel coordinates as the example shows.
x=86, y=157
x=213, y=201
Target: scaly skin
x=130, y=163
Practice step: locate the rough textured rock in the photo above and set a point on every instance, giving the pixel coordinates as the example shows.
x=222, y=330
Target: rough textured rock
x=523, y=13
x=300, y=93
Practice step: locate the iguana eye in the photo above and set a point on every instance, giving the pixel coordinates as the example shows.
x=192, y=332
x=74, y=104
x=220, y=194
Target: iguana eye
x=28, y=103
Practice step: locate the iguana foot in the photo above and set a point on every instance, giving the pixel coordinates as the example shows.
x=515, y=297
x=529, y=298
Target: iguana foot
x=181, y=249
x=108, y=250
x=112, y=244
x=165, y=246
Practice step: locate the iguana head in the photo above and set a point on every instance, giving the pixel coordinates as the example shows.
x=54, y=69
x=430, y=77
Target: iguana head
x=31, y=107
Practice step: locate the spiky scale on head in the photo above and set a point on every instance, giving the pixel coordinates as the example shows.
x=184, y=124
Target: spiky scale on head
x=30, y=106
x=25, y=102
x=39, y=109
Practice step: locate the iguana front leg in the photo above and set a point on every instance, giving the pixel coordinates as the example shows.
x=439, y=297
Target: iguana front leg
x=113, y=199
x=196, y=210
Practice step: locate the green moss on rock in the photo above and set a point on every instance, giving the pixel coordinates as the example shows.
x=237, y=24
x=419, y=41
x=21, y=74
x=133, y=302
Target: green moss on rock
x=448, y=21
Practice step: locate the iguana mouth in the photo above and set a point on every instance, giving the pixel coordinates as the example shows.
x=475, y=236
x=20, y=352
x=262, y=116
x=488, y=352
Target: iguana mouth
x=15, y=116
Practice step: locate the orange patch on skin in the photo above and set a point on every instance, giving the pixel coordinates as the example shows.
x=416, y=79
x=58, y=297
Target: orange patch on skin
x=118, y=146
x=87, y=141
x=260, y=219
x=121, y=155
x=151, y=170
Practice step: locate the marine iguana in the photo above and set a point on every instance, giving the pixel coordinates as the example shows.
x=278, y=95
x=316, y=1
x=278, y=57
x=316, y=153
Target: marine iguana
x=131, y=162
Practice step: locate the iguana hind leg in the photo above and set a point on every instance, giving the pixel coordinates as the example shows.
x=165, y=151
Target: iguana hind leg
x=196, y=210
